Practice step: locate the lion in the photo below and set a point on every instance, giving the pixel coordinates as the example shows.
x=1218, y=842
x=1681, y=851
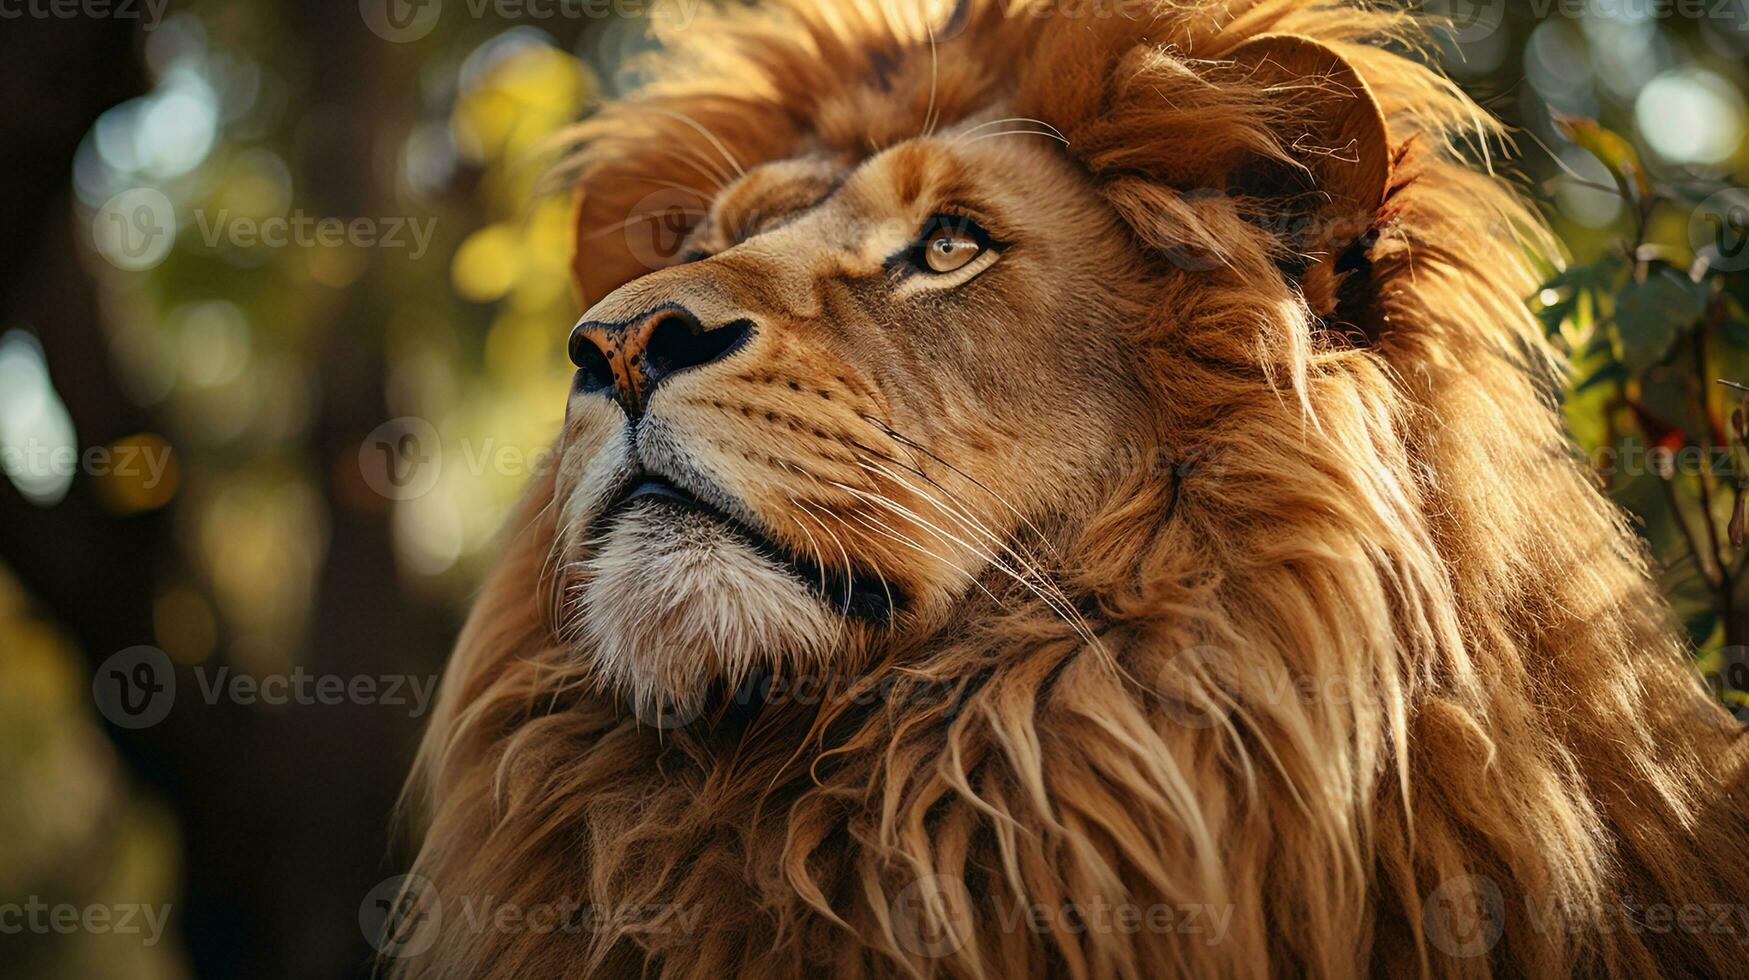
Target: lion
x=1080, y=495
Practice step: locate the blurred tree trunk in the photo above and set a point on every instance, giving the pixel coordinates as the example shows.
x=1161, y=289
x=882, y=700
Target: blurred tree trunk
x=283, y=812
x=364, y=621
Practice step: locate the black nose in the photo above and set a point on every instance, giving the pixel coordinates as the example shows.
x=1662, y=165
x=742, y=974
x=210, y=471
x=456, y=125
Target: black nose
x=635, y=356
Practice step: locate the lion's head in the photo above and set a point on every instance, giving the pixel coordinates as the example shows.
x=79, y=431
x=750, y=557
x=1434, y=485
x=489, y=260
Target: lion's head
x=828, y=384
x=1137, y=397
x=867, y=376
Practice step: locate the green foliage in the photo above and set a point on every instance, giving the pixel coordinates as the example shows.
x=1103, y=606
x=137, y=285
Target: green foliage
x=1652, y=313
x=1658, y=338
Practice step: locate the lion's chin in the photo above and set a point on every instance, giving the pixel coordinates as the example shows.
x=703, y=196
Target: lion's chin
x=673, y=602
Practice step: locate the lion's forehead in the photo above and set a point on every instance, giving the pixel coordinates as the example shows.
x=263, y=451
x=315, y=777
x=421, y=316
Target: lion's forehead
x=855, y=211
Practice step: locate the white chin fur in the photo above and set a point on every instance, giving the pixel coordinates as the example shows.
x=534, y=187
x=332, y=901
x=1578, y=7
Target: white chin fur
x=672, y=600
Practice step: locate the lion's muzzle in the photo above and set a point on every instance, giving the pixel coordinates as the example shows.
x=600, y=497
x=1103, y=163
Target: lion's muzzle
x=632, y=357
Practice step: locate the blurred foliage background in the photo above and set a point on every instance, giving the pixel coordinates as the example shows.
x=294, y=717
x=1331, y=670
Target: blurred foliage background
x=265, y=529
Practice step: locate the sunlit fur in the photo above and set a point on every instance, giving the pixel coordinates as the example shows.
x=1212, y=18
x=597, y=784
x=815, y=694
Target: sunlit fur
x=1365, y=628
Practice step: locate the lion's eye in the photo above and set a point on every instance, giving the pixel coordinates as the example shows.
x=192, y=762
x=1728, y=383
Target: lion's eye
x=948, y=243
x=949, y=249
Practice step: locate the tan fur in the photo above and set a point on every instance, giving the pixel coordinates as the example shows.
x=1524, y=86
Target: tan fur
x=1225, y=595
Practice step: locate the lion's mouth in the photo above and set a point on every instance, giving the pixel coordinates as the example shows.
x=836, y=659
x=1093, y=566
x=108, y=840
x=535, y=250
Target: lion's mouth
x=856, y=593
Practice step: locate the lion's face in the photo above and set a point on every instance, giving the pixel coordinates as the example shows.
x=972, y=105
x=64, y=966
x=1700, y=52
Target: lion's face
x=1371, y=592
x=860, y=385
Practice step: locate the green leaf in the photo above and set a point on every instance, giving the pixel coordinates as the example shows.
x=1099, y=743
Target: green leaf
x=1600, y=273
x=1737, y=288
x=1736, y=327
x=1611, y=150
x=1651, y=314
x=1556, y=314
x=1613, y=371
x=1700, y=625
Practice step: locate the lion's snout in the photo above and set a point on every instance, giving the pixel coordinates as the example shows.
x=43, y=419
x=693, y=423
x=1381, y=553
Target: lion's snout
x=628, y=359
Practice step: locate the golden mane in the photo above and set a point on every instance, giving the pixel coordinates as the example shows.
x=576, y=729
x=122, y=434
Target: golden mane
x=1389, y=690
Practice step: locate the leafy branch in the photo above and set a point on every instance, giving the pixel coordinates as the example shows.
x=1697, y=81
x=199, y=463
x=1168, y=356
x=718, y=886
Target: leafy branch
x=1649, y=326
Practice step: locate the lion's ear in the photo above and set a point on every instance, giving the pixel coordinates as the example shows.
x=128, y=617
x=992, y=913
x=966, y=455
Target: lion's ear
x=1332, y=189
x=1335, y=128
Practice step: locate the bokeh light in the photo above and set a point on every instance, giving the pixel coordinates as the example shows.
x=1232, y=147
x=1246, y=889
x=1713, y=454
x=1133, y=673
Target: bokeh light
x=1691, y=116
x=38, y=447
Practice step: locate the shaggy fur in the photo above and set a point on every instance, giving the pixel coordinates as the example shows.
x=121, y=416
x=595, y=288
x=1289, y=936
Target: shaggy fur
x=1365, y=678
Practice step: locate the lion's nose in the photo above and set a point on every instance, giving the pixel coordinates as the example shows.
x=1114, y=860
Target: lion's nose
x=635, y=356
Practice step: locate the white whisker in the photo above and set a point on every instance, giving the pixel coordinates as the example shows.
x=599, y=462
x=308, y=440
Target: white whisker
x=888, y=531
x=652, y=216
x=1019, y=132
x=707, y=134
x=997, y=122
x=849, y=573
x=1056, y=599
x=929, y=117
x=912, y=444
